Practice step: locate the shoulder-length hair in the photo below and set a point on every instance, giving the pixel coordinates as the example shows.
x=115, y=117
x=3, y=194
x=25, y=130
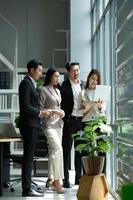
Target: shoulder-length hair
x=49, y=75
x=92, y=72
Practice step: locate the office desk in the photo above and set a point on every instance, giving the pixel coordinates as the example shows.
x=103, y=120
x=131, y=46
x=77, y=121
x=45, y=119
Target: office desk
x=2, y=140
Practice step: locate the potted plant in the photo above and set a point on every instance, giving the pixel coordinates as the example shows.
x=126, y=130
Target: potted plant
x=94, y=140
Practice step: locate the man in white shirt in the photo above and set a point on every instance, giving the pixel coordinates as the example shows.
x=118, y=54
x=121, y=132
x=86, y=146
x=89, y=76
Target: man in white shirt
x=70, y=90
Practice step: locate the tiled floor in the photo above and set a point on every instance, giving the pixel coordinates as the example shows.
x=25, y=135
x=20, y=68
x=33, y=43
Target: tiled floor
x=70, y=194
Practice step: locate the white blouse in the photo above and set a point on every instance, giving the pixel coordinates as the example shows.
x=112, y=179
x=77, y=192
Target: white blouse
x=88, y=106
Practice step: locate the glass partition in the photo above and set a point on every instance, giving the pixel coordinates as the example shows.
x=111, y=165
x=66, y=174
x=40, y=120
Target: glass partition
x=124, y=91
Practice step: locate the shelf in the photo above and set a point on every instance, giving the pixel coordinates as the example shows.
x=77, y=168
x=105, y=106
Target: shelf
x=61, y=30
x=60, y=49
x=8, y=91
x=5, y=110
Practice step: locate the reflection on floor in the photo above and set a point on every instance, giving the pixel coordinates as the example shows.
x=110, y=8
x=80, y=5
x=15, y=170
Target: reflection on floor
x=70, y=194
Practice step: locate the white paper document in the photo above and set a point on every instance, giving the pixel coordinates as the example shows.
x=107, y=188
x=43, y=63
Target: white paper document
x=102, y=92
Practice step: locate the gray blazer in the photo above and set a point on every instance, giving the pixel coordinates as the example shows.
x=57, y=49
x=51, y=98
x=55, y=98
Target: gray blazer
x=49, y=100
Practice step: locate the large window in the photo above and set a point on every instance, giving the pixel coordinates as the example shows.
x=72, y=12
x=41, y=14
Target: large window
x=102, y=50
x=112, y=54
x=124, y=90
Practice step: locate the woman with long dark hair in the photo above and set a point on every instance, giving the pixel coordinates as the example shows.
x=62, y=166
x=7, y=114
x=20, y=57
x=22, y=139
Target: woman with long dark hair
x=86, y=102
x=86, y=98
x=50, y=100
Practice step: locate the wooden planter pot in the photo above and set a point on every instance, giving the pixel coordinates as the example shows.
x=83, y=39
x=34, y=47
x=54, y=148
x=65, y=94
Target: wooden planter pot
x=93, y=165
x=93, y=185
x=93, y=188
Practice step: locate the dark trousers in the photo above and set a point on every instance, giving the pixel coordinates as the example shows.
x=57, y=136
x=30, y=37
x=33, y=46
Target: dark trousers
x=6, y=163
x=29, y=135
x=105, y=161
x=71, y=126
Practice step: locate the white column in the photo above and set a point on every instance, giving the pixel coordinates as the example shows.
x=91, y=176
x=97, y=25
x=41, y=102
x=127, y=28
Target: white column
x=80, y=35
x=80, y=40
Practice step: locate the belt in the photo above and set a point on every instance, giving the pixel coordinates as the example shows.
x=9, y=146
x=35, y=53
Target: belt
x=75, y=117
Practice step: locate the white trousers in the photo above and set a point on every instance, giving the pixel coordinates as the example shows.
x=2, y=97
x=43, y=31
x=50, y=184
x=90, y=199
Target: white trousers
x=55, y=158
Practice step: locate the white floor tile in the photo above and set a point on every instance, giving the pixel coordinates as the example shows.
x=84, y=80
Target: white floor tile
x=70, y=194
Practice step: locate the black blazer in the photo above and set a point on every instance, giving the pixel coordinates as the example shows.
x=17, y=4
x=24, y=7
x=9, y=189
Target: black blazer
x=29, y=104
x=67, y=98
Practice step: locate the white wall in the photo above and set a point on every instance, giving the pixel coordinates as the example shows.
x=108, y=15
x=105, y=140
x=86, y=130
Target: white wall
x=80, y=35
x=36, y=21
x=80, y=40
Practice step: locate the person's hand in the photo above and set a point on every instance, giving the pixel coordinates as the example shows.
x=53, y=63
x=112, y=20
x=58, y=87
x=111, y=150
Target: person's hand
x=46, y=113
x=88, y=106
x=60, y=113
x=99, y=104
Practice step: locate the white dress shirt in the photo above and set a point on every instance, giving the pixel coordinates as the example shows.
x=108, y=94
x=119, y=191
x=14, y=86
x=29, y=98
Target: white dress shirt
x=76, y=88
x=33, y=81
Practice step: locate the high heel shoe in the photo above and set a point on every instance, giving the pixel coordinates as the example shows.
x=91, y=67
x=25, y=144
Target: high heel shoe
x=58, y=188
x=48, y=184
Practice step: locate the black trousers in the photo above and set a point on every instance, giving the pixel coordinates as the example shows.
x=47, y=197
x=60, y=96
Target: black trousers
x=29, y=135
x=71, y=126
x=105, y=162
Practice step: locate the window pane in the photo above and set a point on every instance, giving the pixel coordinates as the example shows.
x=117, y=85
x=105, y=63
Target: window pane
x=93, y=2
x=107, y=49
x=124, y=92
x=100, y=8
x=94, y=19
x=105, y=3
x=94, y=53
x=102, y=49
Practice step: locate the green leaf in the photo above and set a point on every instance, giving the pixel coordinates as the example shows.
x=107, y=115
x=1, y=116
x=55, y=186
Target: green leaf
x=92, y=141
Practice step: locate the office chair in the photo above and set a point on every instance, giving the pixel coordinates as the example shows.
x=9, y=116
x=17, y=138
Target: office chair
x=40, y=152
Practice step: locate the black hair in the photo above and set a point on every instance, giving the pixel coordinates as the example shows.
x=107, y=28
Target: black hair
x=92, y=72
x=49, y=75
x=33, y=64
x=70, y=64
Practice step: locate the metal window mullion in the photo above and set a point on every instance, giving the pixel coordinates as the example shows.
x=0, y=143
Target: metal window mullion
x=102, y=17
x=92, y=41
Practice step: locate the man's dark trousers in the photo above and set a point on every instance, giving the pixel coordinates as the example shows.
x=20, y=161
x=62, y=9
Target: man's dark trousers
x=71, y=126
x=29, y=135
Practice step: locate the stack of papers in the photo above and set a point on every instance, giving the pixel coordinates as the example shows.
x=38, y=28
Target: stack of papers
x=102, y=92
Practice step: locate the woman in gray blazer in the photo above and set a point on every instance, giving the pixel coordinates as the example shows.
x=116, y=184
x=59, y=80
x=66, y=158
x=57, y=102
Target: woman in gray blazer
x=50, y=100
